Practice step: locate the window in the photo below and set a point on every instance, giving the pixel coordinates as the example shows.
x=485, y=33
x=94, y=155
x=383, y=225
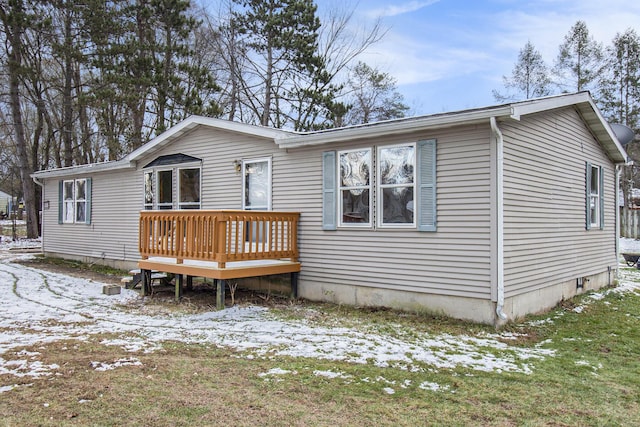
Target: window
x=594, y=197
x=355, y=187
x=148, y=190
x=81, y=200
x=189, y=188
x=172, y=182
x=256, y=191
x=74, y=201
x=256, y=195
x=164, y=178
x=69, y=202
x=396, y=189
x=404, y=184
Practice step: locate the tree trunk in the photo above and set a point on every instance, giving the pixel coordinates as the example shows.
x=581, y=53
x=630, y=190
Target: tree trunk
x=268, y=88
x=14, y=30
x=67, y=109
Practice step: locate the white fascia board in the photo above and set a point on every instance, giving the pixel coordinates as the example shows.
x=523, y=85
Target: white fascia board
x=193, y=121
x=537, y=105
x=605, y=134
x=392, y=127
x=83, y=169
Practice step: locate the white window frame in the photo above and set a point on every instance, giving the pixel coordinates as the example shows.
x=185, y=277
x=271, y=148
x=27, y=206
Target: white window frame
x=68, y=203
x=243, y=170
x=164, y=205
x=152, y=183
x=380, y=187
x=342, y=188
x=175, y=187
x=70, y=216
x=595, y=194
x=80, y=201
x=189, y=205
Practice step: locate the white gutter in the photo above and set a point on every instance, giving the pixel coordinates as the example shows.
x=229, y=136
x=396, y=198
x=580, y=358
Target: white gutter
x=500, y=219
x=392, y=127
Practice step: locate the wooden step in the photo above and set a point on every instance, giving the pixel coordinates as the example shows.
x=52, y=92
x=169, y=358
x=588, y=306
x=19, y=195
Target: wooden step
x=131, y=282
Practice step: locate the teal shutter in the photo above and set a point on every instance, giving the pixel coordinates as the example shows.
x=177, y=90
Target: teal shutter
x=329, y=190
x=87, y=212
x=426, y=185
x=587, y=206
x=601, y=194
x=60, y=201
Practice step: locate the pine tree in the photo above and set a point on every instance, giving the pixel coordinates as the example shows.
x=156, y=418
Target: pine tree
x=579, y=59
x=619, y=96
x=620, y=85
x=530, y=76
x=281, y=38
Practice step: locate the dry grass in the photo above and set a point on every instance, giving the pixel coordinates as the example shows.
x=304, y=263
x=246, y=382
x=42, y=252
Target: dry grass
x=593, y=379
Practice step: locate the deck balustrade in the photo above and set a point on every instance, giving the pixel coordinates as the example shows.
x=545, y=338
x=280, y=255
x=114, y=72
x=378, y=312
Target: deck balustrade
x=219, y=236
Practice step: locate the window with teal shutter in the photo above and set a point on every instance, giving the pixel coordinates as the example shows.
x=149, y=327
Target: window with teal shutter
x=329, y=190
x=87, y=219
x=60, y=201
x=427, y=185
x=420, y=208
x=74, y=201
x=594, y=197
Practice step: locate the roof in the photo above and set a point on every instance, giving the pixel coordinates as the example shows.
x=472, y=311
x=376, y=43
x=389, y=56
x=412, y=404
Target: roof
x=192, y=122
x=582, y=101
x=165, y=138
x=172, y=159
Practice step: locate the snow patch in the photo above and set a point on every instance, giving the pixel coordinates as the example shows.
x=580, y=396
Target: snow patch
x=39, y=307
x=103, y=366
x=331, y=374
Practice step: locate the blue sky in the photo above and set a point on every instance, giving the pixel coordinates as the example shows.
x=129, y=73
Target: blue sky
x=450, y=54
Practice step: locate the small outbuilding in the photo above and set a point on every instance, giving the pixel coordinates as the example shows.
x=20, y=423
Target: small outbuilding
x=485, y=214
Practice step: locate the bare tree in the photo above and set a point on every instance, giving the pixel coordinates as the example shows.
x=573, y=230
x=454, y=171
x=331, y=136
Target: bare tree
x=373, y=96
x=304, y=97
x=529, y=78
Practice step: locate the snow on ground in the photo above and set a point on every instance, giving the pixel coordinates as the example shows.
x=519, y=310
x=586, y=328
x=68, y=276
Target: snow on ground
x=40, y=307
x=629, y=245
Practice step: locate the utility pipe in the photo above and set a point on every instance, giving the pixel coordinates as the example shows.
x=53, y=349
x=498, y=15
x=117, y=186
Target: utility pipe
x=500, y=220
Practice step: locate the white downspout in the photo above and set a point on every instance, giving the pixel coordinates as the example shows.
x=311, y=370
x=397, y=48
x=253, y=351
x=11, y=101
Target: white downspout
x=617, y=204
x=41, y=184
x=500, y=220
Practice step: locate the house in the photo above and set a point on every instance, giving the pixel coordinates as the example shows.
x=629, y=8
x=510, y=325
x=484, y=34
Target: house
x=485, y=214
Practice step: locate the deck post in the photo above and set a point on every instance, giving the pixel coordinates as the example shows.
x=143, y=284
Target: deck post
x=294, y=285
x=146, y=282
x=189, y=283
x=179, y=280
x=220, y=293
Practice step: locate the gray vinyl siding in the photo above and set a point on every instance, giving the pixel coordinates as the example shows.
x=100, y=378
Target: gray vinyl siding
x=221, y=185
x=116, y=199
x=454, y=260
x=117, y=196
x=545, y=238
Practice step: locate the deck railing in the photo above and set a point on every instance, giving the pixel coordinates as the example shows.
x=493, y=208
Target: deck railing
x=220, y=236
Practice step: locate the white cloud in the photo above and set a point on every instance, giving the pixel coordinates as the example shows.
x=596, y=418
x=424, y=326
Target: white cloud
x=395, y=10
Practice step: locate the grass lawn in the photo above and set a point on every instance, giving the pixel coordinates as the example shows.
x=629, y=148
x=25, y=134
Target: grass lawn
x=592, y=378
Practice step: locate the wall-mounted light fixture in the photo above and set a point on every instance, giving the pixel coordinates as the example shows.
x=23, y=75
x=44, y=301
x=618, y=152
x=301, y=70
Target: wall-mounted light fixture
x=46, y=205
x=237, y=165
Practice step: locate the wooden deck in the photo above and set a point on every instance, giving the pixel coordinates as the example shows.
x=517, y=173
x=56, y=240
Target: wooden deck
x=220, y=245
